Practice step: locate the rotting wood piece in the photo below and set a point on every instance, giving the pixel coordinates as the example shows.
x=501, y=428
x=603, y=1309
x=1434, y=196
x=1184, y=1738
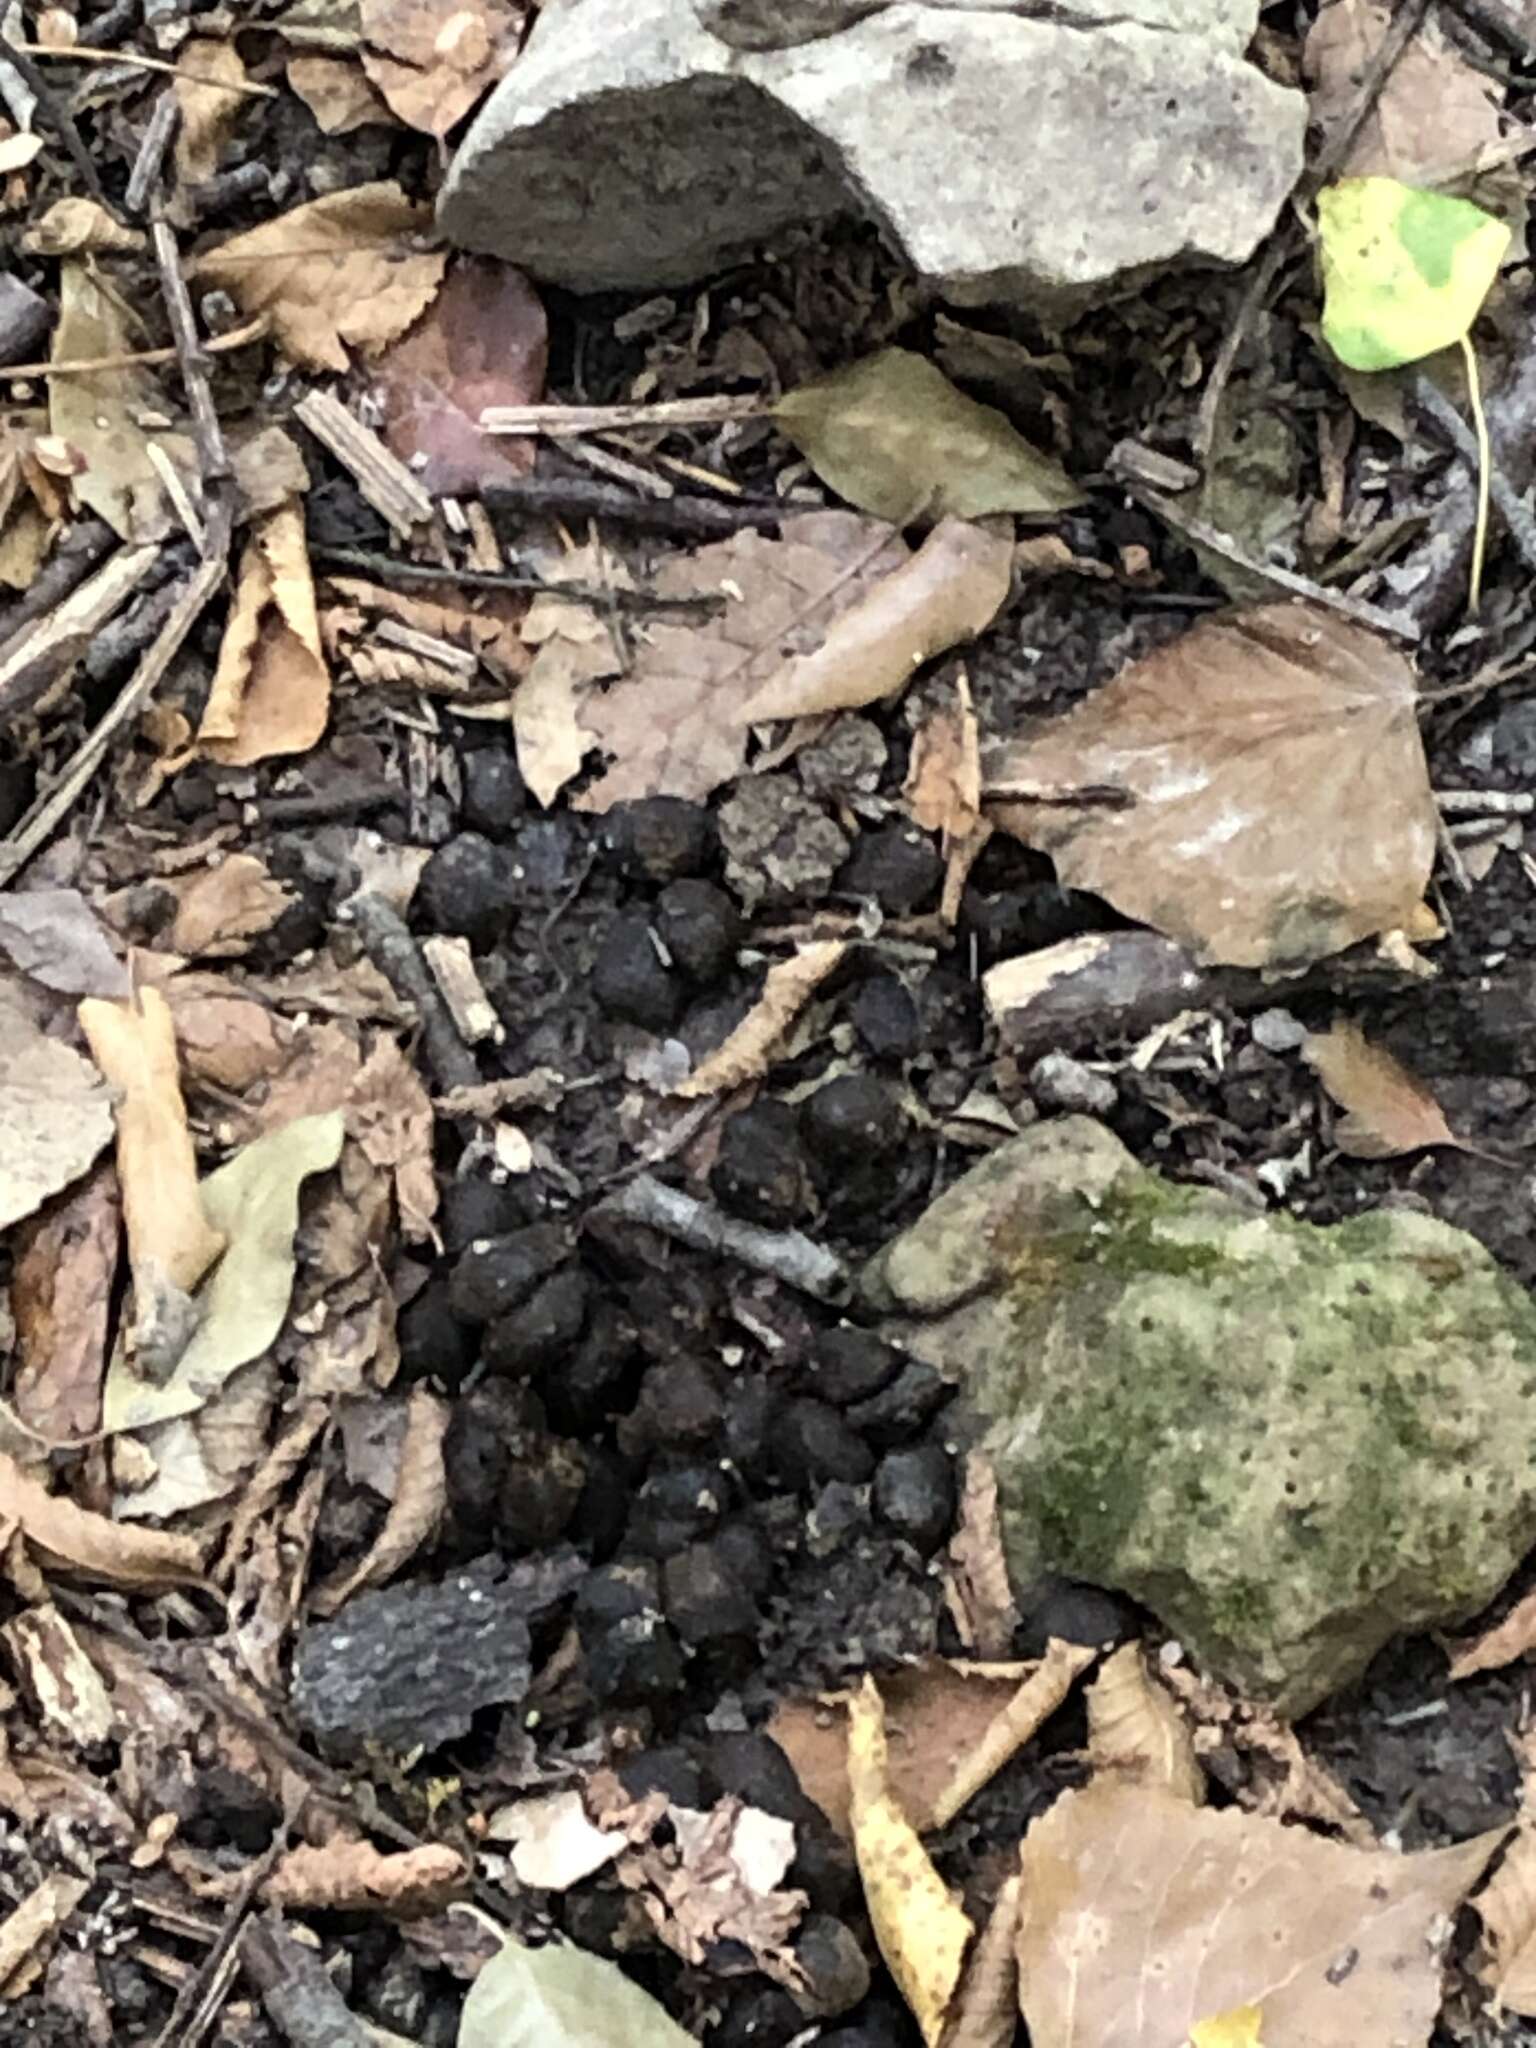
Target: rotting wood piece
x=382, y=478
x=31, y=663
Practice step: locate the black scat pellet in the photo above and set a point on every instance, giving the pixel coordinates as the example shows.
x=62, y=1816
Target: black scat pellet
x=541, y=1330
x=904, y=1408
x=434, y=1344
x=494, y=1274
x=700, y=928
x=856, y=1118
x=659, y=838
x=914, y=1495
x=630, y=979
x=809, y=1443
x=466, y=890
x=898, y=866
x=761, y=1170
x=495, y=795
x=850, y=1365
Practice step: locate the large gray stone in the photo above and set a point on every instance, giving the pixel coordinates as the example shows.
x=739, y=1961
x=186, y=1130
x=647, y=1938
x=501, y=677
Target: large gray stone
x=1291, y=1442
x=1034, y=156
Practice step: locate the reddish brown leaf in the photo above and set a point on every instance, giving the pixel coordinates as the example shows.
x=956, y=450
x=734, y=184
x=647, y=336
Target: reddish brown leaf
x=1388, y=1112
x=432, y=59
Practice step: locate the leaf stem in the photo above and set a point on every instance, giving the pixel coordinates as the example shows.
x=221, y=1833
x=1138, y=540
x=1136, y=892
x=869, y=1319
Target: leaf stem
x=1484, y=467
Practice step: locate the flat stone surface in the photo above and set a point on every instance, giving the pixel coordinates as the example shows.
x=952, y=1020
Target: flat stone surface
x=1008, y=158
x=1291, y=1442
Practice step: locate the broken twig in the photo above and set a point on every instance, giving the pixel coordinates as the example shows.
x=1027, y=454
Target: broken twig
x=788, y=1255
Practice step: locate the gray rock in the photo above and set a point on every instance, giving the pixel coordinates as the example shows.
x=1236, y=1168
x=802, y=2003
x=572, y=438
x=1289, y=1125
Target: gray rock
x=1008, y=158
x=1292, y=1443
x=1059, y=1082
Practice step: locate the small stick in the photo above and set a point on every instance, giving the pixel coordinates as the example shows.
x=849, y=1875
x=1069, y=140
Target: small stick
x=690, y=516
x=84, y=547
x=787, y=1255
x=1485, y=803
x=1008, y=1731
x=212, y=455
x=388, y=570
x=605, y=419
x=86, y=53
x=297, y=1992
x=128, y=359
x=383, y=478
x=19, y=56
x=144, y=179
x=209, y=1983
x=1501, y=23
x=397, y=956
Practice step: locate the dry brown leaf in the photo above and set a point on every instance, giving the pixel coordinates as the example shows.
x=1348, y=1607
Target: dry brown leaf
x=28, y=1931
x=55, y=1114
x=1136, y=1730
x=61, y=1684
x=269, y=469
x=1514, y=1636
x=943, y=791
x=210, y=113
x=345, y=269
x=389, y=1115
x=1144, y=1915
x=574, y=648
x=421, y=1495
x=985, y=2010
x=432, y=59
x=1434, y=114
x=271, y=690
x=71, y=1539
x=1272, y=798
x=227, y=1040
x=101, y=414
x=948, y=592
x=170, y=1240
x=1507, y=1908
x=354, y=1877
x=61, y=1297
x=80, y=227
x=338, y=92
x=1019, y=1719
x=219, y=909
x=1387, y=1111
x=978, y=1586
x=751, y=1047
x=672, y=722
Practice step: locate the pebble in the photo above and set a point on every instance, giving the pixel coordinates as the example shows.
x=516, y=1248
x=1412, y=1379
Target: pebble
x=494, y=1274
x=810, y=1443
x=704, y=1599
x=748, y=1416
x=637, y=1661
x=1278, y=1031
x=495, y=794
x=852, y=1120
x=898, y=866
x=761, y=1171
x=835, y=1968
x=1062, y=1084
x=614, y=1593
x=848, y=759
x=851, y=1364
x=674, y=1509
x=631, y=980
x=914, y=1495
x=549, y=857
x=541, y=1330
x=759, y=2016
x=433, y=1342
x=885, y=1016
x=477, y=1452
x=466, y=890
x=1072, y=1613
x=659, y=838
x=904, y=1408
x=837, y=1514
x=700, y=927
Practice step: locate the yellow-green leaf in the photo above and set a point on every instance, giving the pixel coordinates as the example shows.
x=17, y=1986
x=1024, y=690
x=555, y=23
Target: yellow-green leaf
x=894, y=437
x=1238, y=2028
x=1404, y=271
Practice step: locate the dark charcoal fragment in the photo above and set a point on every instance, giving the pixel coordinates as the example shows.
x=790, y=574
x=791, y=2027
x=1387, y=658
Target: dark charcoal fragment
x=666, y=1770
x=541, y=1490
x=885, y=1016
x=881, y=2026
x=674, y=1509
x=617, y=1592
x=680, y=1405
x=903, y=1408
x=758, y=2016
x=594, y=1384
x=851, y=1364
x=637, y=1661
x=477, y=1450
x=658, y=838
x=495, y=794
x=433, y=1342
x=810, y=1443
x=482, y=1208
x=630, y=980
x=704, y=1599
x=1074, y=1613
x=761, y=1171
x=411, y=1664
x=598, y=1523
x=232, y=1809
x=839, y=1513
x=495, y=1274
x=700, y=927
x=748, y=1553
x=914, y=1495
x=898, y=866
x=466, y=889
x=542, y=1329
x=853, y=1120
x=835, y=1968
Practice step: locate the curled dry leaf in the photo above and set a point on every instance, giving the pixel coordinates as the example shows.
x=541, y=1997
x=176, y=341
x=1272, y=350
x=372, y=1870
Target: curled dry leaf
x=1434, y=114
x=1514, y=1636
x=555, y=1845
x=219, y=909
x=210, y=113
x=432, y=59
x=79, y=227
x=421, y=1494
x=1135, y=1728
x=354, y=1877
x=72, y=1540
x=271, y=689
x=1387, y=1111
x=1018, y=1721
x=951, y=590
x=61, y=1297
x=55, y=1115
x=338, y=92
x=171, y=1240
x=921, y=1929
x=984, y=2012
x=1256, y=789
x=1507, y=1908
x=1144, y=1915
x=751, y=1047
x=345, y=270
x=894, y=437
x=29, y=1930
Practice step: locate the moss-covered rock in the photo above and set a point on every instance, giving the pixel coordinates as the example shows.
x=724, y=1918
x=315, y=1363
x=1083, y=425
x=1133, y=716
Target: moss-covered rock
x=1291, y=1442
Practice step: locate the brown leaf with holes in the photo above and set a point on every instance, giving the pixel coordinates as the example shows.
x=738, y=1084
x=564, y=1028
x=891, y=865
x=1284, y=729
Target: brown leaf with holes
x=432, y=59
x=484, y=341
x=751, y=1048
x=61, y=1297
x=1144, y=1915
x=1256, y=789
x=1434, y=114
x=271, y=689
x=1387, y=1111
x=348, y=270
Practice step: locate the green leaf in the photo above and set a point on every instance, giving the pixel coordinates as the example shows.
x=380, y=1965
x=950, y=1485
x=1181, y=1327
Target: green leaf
x=561, y=1997
x=254, y=1202
x=894, y=437
x=1404, y=271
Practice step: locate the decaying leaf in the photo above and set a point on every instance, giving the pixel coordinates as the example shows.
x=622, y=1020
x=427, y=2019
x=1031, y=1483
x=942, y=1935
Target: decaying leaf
x=101, y=414
x=943, y=791
x=562, y=1997
x=921, y=1929
x=484, y=341
x=210, y=113
x=894, y=437
x=172, y=1241
x=254, y=1200
x=1507, y=1908
x=1387, y=1111
x=220, y=909
x=389, y=1114
x=338, y=92
x=432, y=59
x=1433, y=115
x=1135, y=1728
x=271, y=690
x=720, y=1878
x=574, y=649
x=54, y=936
x=555, y=1845
x=80, y=227
x=355, y=1877
x=71, y=1539
x=750, y=1049
x=55, y=1114
x=348, y=269
x=420, y=1497
x=950, y=590
x=1144, y=1915
x=229, y=1040
x=1514, y=1636
x=1256, y=790
x=61, y=1297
